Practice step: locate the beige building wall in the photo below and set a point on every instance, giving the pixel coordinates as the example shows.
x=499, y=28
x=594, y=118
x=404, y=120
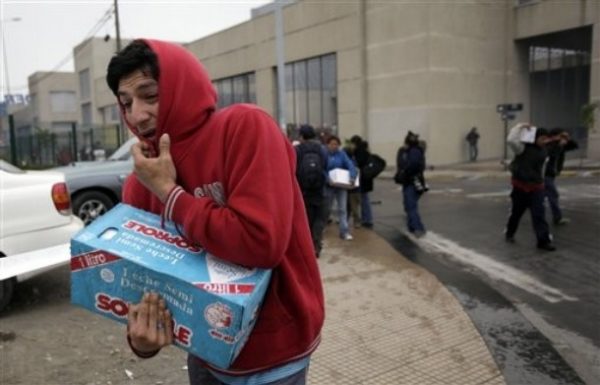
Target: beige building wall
x=94, y=54
x=41, y=87
x=311, y=29
x=436, y=68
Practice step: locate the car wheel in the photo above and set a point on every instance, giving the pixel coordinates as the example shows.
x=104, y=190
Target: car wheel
x=89, y=205
x=7, y=288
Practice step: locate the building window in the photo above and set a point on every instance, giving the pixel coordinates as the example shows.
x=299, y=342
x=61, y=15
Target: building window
x=236, y=89
x=84, y=84
x=63, y=101
x=86, y=113
x=110, y=114
x=311, y=94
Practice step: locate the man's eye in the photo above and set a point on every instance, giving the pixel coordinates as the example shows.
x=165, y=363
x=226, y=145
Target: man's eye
x=151, y=96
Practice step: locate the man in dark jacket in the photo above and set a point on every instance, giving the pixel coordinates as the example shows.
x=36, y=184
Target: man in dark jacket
x=411, y=164
x=527, y=171
x=473, y=139
x=362, y=156
x=561, y=143
x=311, y=158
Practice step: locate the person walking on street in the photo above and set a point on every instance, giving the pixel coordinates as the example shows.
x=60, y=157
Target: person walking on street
x=527, y=170
x=353, y=207
x=337, y=158
x=410, y=163
x=370, y=166
x=227, y=178
x=311, y=159
x=561, y=143
x=473, y=139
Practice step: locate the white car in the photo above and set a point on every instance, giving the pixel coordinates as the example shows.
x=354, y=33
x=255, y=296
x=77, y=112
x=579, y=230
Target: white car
x=35, y=214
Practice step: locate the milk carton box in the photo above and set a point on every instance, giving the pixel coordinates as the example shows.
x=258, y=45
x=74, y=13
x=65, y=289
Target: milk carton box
x=126, y=252
x=340, y=177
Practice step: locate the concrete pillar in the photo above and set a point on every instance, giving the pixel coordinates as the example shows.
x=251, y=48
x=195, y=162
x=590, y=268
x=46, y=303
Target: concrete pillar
x=594, y=136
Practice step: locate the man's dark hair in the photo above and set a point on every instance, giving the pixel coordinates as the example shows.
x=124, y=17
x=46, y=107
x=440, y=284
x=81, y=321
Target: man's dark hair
x=136, y=56
x=356, y=140
x=307, y=132
x=332, y=138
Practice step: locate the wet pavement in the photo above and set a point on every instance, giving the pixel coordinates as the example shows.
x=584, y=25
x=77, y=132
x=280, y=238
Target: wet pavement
x=538, y=312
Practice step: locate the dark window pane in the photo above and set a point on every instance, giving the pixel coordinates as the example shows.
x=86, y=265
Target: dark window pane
x=240, y=89
x=289, y=94
x=252, y=88
x=301, y=90
x=314, y=93
x=328, y=73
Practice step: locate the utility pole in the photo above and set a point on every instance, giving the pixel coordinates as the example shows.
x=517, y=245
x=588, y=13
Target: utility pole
x=122, y=132
x=117, y=26
x=280, y=52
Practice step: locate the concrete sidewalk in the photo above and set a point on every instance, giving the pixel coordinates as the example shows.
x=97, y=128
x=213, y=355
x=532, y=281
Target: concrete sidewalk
x=391, y=322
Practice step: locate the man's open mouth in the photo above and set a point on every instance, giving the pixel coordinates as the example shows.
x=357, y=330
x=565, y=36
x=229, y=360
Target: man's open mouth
x=149, y=134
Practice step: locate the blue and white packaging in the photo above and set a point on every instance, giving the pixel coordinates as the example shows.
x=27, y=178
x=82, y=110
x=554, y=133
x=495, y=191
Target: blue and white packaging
x=126, y=252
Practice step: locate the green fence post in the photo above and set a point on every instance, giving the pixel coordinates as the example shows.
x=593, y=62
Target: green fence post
x=74, y=151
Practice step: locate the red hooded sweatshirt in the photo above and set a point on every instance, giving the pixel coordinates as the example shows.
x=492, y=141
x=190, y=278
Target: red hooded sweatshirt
x=239, y=199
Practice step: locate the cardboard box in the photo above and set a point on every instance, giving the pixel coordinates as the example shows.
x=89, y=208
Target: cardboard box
x=125, y=253
x=340, y=177
x=528, y=135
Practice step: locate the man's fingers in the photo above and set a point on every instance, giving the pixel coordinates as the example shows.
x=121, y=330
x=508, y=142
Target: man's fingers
x=132, y=314
x=153, y=311
x=168, y=328
x=137, y=153
x=164, y=146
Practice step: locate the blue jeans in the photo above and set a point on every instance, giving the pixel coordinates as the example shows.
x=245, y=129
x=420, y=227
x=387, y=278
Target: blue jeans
x=198, y=375
x=411, y=207
x=341, y=196
x=553, y=196
x=365, y=209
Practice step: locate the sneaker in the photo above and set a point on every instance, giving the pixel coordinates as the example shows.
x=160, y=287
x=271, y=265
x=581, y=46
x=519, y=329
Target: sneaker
x=548, y=246
x=562, y=222
x=420, y=233
x=367, y=225
x=347, y=237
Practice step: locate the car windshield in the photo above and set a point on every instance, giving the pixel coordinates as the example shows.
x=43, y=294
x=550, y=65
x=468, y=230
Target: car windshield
x=5, y=166
x=123, y=152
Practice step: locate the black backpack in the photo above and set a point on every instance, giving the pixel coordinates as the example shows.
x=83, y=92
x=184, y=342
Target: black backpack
x=401, y=160
x=373, y=168
x=311, y=167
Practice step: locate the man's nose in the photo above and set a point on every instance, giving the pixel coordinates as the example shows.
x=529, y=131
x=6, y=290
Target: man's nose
x=139, y=112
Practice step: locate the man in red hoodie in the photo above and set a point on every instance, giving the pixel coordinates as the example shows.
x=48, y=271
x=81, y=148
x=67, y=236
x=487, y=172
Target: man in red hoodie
x=227, y=178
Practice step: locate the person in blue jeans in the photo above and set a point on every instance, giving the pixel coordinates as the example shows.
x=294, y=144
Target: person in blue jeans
x=339, y=159
x=411, y=163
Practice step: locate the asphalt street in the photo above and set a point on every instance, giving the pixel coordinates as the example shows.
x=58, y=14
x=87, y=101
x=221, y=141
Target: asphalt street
x=538, y=311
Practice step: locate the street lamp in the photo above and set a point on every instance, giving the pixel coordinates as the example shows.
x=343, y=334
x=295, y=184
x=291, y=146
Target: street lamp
x=6, y=80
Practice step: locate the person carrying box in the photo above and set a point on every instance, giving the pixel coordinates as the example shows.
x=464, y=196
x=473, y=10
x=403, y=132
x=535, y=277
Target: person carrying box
x=227, y=178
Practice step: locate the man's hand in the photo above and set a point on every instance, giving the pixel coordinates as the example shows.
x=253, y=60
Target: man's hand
x=149, y=324
x=157, y=174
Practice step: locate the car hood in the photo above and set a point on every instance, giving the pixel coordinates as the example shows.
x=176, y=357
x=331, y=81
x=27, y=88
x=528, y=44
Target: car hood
x=96, y=168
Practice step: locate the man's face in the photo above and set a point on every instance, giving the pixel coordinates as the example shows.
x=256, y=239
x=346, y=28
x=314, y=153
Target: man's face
x=333, y=146
x=138, y=93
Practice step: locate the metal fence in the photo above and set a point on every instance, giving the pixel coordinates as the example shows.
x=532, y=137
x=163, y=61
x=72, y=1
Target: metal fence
x=40, y=146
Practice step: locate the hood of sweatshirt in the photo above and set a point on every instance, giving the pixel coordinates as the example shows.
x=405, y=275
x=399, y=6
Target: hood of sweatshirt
x=186, y=96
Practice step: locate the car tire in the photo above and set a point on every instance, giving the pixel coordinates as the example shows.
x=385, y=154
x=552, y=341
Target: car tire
x=7, y=288
x=89, y=205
